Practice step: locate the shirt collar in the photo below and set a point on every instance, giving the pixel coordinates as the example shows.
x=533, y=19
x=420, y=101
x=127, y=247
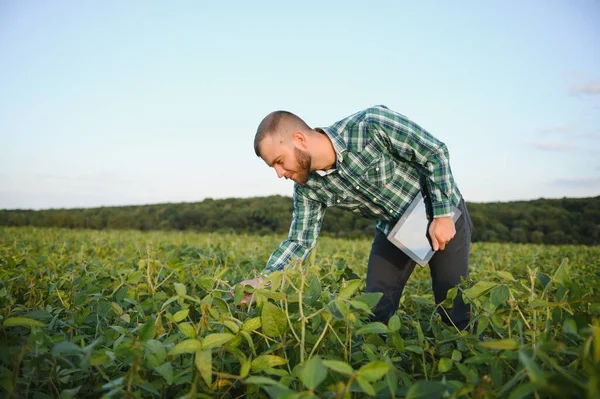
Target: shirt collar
x=339, y=145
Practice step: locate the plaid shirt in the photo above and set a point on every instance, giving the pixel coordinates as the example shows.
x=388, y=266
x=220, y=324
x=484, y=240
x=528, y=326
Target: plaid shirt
x=382, y=158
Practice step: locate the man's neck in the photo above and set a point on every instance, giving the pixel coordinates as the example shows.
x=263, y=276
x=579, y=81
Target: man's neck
x=324, y=156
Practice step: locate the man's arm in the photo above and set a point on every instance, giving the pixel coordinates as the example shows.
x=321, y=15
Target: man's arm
x=307, y=219
x=408, y=141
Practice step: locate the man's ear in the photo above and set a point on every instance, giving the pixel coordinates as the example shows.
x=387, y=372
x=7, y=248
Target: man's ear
x=299, y=139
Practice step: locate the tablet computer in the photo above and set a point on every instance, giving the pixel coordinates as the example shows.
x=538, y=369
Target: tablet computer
x=410, y=232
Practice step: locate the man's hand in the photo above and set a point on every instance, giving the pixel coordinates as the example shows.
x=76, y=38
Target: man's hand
x=254, y=283
x=441, y=232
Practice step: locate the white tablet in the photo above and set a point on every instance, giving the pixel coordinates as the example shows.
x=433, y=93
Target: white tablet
x=410, y=232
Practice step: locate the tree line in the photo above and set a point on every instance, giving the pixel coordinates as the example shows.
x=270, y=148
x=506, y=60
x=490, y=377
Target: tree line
x=541, y=221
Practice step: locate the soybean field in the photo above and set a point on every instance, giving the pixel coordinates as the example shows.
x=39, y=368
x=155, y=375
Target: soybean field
x=129, y=314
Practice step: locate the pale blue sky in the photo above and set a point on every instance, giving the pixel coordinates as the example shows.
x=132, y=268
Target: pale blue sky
x=138, y=102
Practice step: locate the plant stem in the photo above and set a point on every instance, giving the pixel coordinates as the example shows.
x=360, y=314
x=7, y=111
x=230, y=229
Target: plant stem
x=319, y=340
x=302, y=319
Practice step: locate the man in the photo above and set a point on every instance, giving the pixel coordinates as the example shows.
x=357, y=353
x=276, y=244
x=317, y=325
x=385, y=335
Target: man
x=373, y=163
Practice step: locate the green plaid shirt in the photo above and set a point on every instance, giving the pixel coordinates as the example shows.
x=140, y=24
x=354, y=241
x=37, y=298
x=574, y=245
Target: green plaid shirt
x=382, y=158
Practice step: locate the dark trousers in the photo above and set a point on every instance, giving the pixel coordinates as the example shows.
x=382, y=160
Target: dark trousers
x=389, y=269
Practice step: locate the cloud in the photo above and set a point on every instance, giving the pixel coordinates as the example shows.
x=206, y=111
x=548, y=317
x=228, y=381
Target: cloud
x=546, y=131
x=567, y=132
x=587, y=88
x=552, y=146
x=592, y=135
x=578, y=182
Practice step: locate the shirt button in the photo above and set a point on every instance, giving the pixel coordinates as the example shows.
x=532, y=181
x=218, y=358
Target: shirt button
x=338, y=201
x=377, y=169
x=357, y=187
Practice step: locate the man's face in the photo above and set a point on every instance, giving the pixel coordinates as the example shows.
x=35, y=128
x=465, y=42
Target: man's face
x=287, y=159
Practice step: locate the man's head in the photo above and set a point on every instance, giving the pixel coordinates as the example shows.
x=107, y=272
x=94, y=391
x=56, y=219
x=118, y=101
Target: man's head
x=281, y=141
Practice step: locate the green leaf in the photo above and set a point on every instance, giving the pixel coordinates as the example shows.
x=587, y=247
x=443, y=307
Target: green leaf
x=274, y=295
x=187, y=329
x=506, y=275
x=373, y=328
x=266, y=361
x=216, y=340
x=121, y=293
x=543, y=279
x=391, y=380
x=114, y=383
x=69, y=393
x=374, y=370
x=535, y=373
x=470, y=374
x=502, y=344
x=155, y=351
x=481, y=288
x=562, y=273
x=313, y=291
x=66, y=348
x=570, y=326
x=313, y=373
x=170, y=300
x=180, y=289
x=365, y=386
x=445, y=365
x=426, y=390
x=259, y=380
x=166, y=371
x=232, y=326
x=244, y=366
x=118, y=309
x=181, y=315
x=187, y=346
x=339, y=366
x=414, y=348
x=238, y=293
x=248, y=338
x=147, y=331
x=456, y=355
x=398, y=341
x=523, y=391
x=349, y=289
x=499, y=295
x=394, y=323
x=360, y=306
x=370, y=298
x=251, y=324
x=482, y=324
x=538, y=304
x=203, y=361
x=273, y=320
x=22, y=322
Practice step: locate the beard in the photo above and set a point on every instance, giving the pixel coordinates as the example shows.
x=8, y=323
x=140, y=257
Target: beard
x=304, y=164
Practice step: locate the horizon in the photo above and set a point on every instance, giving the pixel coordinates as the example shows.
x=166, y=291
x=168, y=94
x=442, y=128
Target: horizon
x=257, y=197
x=147, y=103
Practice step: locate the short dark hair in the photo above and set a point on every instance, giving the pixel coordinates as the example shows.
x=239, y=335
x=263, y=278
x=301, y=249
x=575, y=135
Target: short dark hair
x=270, y=124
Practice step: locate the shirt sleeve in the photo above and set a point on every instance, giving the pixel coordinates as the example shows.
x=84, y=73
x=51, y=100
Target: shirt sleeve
x=409, y=142
x=307, y=219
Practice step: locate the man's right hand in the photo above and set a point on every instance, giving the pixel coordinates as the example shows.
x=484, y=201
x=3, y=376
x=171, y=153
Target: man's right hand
x=254, y=283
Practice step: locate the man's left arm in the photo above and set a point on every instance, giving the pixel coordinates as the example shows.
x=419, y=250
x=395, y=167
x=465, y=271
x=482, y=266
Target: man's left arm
x=408, y=141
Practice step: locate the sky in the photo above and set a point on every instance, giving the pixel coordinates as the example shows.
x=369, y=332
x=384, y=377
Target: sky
x=141, y=102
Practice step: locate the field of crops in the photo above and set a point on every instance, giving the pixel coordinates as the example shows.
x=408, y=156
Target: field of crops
x=131, y=314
